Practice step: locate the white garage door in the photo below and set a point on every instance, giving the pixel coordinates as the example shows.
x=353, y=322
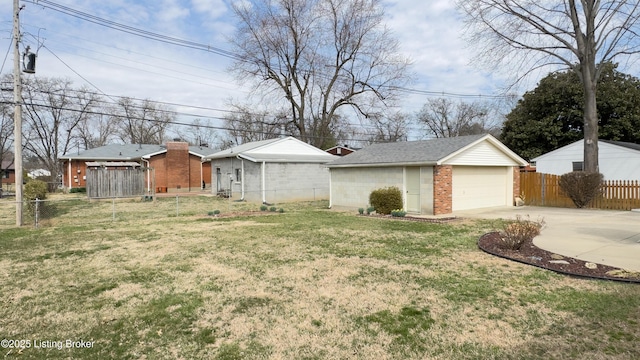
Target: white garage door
x=478, y=187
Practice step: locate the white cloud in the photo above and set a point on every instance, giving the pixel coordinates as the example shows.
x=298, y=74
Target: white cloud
x=213, y=8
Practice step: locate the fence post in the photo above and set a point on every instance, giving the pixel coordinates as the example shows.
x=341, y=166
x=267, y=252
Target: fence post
x=113, y=208
x=177, y=206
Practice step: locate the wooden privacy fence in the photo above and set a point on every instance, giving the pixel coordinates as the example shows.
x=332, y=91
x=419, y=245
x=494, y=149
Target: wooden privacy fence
x=544, y=190
x=108, y=183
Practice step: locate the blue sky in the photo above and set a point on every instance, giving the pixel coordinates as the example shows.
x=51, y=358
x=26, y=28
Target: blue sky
x=126, y=65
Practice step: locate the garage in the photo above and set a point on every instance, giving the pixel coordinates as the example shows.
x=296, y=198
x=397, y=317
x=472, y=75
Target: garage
x=475, y=187
x=436, y=176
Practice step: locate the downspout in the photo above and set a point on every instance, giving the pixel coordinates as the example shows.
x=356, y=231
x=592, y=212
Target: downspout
x=148, y=175
x=241, y=177
x=201, y=175
x=330, y=192
x=264, y=183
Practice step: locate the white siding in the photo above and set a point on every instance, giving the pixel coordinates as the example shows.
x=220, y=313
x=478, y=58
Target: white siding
x=616, y=162
x=287, y=146
x=482, y=154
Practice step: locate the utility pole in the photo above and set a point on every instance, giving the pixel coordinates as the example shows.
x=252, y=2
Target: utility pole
x=17, y=115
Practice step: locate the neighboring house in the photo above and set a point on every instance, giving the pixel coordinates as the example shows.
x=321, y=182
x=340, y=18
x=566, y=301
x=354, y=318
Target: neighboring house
x=617, y=160
x=436, y=176
x=7, y=173
x=176, y=166
x=271, y=171
x=341, y=150
x=38, y=173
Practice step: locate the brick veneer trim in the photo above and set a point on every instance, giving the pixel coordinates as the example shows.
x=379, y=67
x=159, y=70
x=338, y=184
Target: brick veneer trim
x=442, y=189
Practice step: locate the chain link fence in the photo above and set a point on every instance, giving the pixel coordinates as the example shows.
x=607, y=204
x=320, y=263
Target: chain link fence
x=77, y=209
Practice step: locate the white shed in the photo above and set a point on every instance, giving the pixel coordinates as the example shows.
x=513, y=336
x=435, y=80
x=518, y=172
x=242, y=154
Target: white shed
x=617, y=160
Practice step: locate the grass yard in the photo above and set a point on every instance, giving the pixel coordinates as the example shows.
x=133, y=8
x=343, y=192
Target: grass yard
x=309, y=283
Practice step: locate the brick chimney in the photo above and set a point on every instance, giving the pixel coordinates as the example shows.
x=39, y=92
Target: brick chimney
x=178, y=166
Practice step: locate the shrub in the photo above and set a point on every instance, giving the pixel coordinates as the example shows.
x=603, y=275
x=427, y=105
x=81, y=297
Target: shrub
x=263, y=207
x=385, y=200
x=516, y=233
x=77, y=190
x=398, y=213
x=216, y=212
x=35, y=189
x=581, y=187
x=370, y=209
x=273, y=209
x=281, y=210
x=360, y=211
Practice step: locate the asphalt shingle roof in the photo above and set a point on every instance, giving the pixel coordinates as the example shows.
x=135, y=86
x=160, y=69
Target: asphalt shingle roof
x=408, y=152
x=124, y=152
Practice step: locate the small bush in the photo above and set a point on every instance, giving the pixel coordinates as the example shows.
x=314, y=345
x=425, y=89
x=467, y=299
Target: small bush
x=273, y=209
x=35, y=189
x=360, y=211
x=398, y=213
x=370, y=210
x=581, y=187
x=263, y=208
x=385, y=200
x=216, y=212
x=281, y=210
x=520, y=231
x=78, y=190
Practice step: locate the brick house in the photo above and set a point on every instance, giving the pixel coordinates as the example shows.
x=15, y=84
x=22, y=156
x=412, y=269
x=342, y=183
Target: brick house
x=436, y=176
x=7, y=174
x=173, y=167
x=271, y=171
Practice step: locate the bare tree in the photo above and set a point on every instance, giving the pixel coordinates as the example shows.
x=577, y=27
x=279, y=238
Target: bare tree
x=53, y=111
x=316, y=57
x=389, y=128
x=447, y=118
x=98, y=129
x=199, y=133
x=244, y=125
x=143, y=121
x=580, y=35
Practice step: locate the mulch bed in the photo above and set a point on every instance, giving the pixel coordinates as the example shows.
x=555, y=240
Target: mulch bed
x=533, y=255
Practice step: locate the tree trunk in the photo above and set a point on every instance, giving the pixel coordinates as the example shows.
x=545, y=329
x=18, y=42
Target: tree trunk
x=590, y=125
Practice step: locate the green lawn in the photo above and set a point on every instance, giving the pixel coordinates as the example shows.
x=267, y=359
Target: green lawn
x=309, y=283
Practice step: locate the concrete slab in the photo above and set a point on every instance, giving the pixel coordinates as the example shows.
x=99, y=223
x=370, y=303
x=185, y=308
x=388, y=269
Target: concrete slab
x=600, y=236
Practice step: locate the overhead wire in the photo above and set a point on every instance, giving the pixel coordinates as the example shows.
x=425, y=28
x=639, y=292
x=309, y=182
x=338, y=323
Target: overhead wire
x=225, y=53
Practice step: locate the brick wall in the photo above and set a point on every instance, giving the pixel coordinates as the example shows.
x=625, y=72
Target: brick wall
x=442, y=189
x=177, y=165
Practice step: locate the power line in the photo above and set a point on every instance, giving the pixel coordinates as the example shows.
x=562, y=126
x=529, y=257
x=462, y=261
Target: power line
x=225, y=53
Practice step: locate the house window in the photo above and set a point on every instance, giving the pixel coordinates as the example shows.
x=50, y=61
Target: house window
x=578, y=166
x=5, y=174
x=238, y=175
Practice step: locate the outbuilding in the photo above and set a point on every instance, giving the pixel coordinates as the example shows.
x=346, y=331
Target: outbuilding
x=436, y=176
x=271, y=171
x=617, y=160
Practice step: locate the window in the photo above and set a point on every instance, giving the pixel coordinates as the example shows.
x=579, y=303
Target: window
x=5, y=174
x=577, y=166
x=238, y=175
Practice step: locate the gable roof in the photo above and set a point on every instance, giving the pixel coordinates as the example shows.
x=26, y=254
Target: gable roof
x=287, y=149
x=7, y=165
x=425, y=152
x=622, y=144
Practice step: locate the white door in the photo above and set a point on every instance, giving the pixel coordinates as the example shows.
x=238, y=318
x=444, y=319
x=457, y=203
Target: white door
x=413, y=189
x=475, y=187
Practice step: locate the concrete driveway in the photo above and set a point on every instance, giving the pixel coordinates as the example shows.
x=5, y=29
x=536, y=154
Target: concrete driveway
x=601, y=236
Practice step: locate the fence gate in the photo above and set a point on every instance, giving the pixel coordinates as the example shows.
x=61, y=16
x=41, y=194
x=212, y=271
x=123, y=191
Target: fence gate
x=109, y=182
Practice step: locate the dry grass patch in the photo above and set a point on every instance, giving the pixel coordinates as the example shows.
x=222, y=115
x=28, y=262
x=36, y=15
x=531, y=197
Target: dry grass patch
x=308, y=283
